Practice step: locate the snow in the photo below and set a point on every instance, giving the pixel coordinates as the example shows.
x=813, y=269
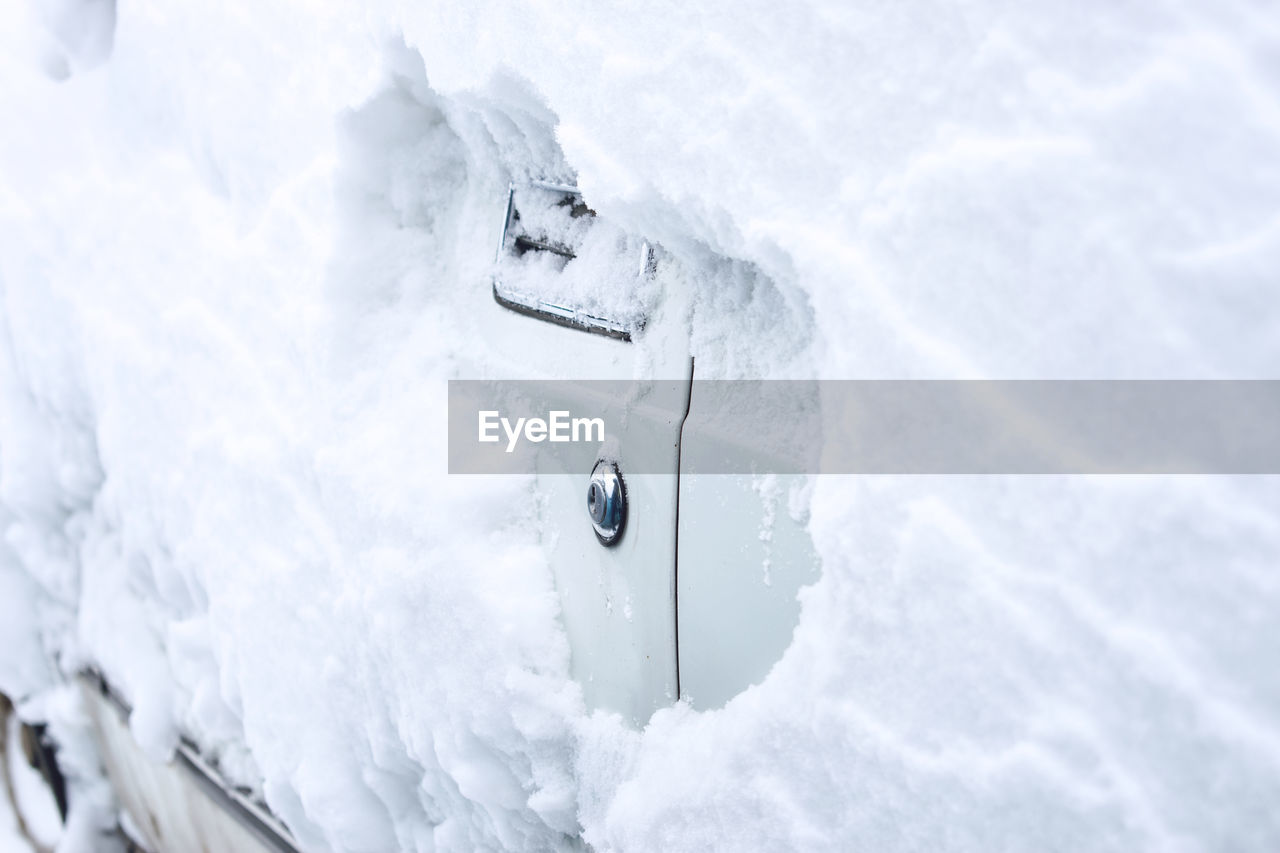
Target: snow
x=10, y=838
x=240, y=246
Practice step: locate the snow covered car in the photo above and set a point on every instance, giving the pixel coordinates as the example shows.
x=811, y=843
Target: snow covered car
x=365, y=476
x=642, y=633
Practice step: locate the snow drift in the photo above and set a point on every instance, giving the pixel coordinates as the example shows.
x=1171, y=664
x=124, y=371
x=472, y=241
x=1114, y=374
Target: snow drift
x=238, y=251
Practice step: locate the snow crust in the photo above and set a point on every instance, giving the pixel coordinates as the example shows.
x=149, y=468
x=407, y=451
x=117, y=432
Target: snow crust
x=240, y=250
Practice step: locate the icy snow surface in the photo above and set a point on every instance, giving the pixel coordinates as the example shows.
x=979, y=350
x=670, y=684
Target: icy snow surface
x=11, y=839
x=240, y=249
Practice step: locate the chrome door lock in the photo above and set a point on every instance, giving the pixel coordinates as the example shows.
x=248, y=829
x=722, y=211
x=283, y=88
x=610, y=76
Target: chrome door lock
x=607, y=503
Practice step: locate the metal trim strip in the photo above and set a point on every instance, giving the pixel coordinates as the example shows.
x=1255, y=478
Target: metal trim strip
x=256, y=817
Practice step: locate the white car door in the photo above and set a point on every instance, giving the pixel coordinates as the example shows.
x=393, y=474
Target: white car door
x=617, y=601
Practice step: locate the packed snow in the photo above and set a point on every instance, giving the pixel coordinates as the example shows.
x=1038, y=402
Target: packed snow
x=242, y=247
